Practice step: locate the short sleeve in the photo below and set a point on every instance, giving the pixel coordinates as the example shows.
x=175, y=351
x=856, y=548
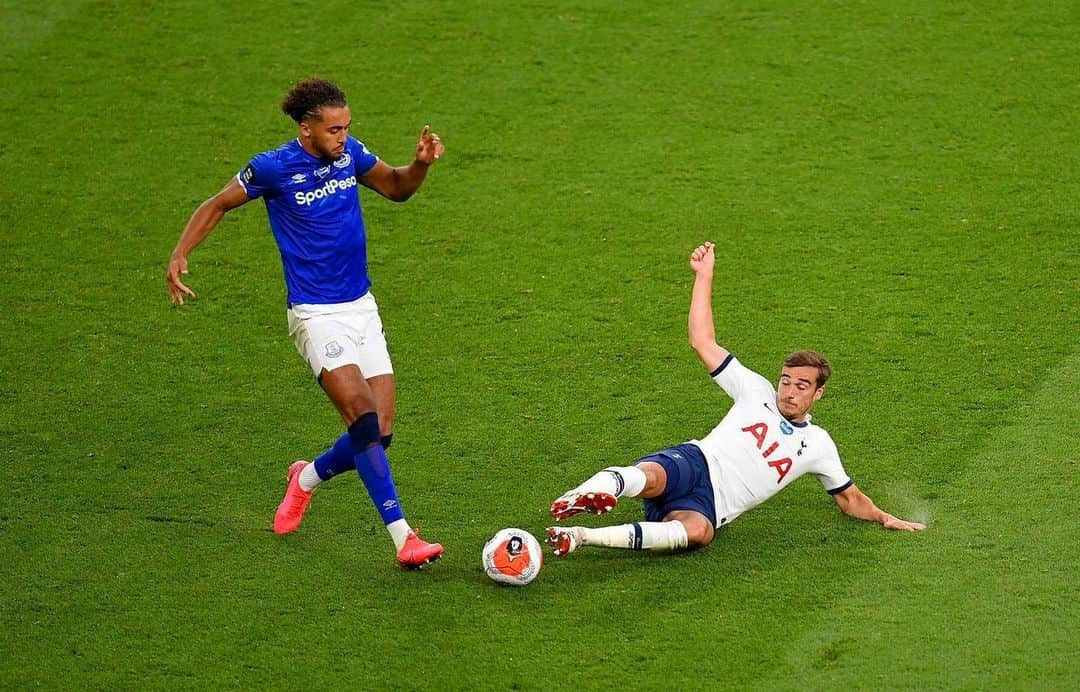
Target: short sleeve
x=829, y=471
x=260, y=176
x=739, y=381
x=365, y=160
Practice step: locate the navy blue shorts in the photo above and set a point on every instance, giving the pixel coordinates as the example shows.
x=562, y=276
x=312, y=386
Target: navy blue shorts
x=688, y=483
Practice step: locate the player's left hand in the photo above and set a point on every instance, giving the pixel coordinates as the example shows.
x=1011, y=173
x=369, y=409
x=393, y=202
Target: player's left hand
x=430, y=147
x=895, y=524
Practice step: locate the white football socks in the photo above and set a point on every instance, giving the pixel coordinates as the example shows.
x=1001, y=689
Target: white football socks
x=646, y=535
x=399, y=531
x=617, y=481
x=309, y=478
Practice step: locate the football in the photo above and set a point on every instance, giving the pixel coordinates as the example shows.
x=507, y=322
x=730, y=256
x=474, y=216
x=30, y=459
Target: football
x=513, y=557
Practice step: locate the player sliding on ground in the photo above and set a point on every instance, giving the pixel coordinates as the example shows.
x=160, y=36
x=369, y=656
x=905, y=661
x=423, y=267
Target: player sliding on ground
x=764, y=443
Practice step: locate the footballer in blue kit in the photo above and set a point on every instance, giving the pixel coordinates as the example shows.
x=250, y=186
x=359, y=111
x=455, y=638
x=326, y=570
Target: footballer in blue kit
x=316, y=219
x=310, y=188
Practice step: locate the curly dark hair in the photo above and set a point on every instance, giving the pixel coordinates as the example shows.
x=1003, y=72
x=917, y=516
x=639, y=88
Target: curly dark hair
x=306, y=98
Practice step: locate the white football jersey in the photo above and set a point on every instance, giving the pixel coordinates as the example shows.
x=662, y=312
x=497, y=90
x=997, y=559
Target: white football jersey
x=755, y=452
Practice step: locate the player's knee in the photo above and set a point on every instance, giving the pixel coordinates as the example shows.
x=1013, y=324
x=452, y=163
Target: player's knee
x=356, y=409
x=364, y=431
x=699, y=533
x=655, y=479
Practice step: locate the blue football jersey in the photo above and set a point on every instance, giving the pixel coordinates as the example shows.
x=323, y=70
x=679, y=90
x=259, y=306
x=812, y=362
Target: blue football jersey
x=315, y=215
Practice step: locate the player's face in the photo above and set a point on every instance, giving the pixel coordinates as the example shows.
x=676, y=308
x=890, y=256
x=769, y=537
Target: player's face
x=326, y=132
x=797, y=391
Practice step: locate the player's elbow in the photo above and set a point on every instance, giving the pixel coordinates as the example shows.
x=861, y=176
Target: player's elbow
x=211, y=210
x=700, y=339
x=845, y=502
x=228, y=199
x=858, y=506
x=400, y=188
x=399, y=194
x=703, y=344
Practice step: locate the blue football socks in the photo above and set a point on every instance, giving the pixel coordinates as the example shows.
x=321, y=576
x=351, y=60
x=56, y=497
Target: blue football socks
x=370, y=460
x=337, y=459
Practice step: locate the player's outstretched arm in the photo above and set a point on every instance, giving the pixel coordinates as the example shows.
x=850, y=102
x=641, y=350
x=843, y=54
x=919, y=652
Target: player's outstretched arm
x=702, y=331
x=856, y=504
x=399, y=184
x=205, y=218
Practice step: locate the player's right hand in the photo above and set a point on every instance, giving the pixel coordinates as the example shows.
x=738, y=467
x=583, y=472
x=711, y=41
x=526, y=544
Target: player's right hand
x=895, y=524
x=703, y=258
x=177, y=289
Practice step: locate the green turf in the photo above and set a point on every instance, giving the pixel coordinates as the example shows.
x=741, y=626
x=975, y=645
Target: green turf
x=894, y=184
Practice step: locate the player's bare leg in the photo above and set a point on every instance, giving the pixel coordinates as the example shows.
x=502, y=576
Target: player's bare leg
x=384, y=391
x=349, y=391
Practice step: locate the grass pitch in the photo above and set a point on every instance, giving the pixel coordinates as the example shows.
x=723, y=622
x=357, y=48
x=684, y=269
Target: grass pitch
x=894, y=186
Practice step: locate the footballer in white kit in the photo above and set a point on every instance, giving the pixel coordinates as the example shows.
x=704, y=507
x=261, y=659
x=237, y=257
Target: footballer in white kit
x=763, y=444
x=755, y=451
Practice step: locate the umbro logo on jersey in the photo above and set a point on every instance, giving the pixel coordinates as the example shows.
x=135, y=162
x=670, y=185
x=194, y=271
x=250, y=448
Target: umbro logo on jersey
x=299, y=178
x=344, y=161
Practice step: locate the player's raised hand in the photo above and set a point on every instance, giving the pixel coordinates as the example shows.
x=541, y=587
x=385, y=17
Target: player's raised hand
x=430, y=147
x=895, y=524
x=177, y=289
x=703, y=258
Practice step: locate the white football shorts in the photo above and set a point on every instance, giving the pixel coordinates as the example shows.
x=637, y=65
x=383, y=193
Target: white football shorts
x=330, y=336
